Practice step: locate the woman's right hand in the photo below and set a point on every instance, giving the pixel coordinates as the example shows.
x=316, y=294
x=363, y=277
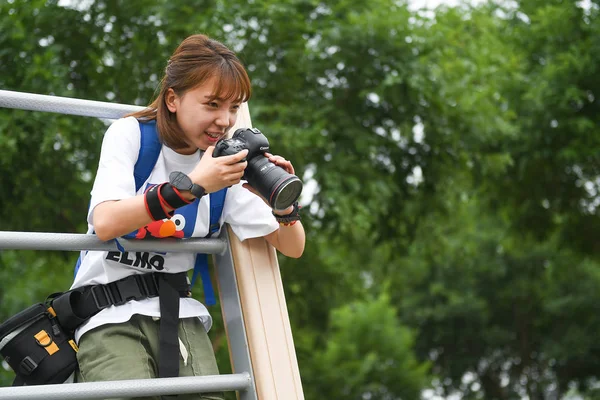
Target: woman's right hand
x=215, y=173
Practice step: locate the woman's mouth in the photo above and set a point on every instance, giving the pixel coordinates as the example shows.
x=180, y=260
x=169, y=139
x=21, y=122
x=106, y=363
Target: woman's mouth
x=213, y=136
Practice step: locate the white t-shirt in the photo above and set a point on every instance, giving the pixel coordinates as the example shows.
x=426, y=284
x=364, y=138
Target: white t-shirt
x=245, y=212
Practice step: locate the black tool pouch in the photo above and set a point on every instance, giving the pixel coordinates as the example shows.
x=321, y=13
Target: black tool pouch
x=38, y=342
x=37, y=348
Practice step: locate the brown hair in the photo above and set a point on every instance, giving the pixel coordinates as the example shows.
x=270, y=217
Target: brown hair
x=197, y=59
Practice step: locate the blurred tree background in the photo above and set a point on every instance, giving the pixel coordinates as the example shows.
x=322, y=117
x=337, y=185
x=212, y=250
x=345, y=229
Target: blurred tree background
x=454, y=157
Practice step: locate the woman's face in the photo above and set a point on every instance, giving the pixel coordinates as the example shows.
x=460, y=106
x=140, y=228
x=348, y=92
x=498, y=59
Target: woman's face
x=203, y=119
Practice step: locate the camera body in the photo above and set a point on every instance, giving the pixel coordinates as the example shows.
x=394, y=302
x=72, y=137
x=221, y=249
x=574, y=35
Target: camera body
x=243, y=138
x=275, y=184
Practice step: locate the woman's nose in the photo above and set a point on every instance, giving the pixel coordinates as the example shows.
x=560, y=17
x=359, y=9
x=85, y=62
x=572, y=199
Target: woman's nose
x=223, y=119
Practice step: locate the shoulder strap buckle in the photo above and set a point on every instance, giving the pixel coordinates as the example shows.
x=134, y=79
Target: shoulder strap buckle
x=101, y=296
x=27, y=366
x=126, y=289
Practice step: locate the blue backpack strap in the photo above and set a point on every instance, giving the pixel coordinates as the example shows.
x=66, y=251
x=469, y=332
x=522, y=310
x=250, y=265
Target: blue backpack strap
x=217, y=200
x=201, y=267
x=77, y=265
x=150, y=147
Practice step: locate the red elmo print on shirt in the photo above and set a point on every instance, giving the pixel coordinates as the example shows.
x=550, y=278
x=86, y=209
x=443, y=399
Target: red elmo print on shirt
x=165, y=228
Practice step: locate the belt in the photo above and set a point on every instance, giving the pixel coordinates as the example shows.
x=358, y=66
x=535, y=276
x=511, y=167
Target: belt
x=75, y=307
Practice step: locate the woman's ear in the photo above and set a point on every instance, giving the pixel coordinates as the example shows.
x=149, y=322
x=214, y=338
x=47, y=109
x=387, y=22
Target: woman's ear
x=172, y=100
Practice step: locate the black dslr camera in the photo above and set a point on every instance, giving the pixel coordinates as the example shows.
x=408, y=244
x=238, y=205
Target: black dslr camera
x=277, y=186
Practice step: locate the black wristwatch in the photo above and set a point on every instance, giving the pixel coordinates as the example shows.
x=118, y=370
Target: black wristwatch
x=181, y=181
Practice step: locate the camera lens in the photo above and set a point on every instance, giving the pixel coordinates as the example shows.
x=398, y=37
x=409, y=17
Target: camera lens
x=273, y=183
x=286, y=193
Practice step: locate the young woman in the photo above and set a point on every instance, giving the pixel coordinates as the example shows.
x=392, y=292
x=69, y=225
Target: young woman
x=201, y=93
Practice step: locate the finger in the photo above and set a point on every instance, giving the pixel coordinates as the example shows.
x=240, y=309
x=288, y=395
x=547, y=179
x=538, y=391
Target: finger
x=278, y=160
x=237, y=168
x=234, y=177
x=285, y=164
x=237, y=175
x=288, y=167
x=209, y=151
x=235, y=158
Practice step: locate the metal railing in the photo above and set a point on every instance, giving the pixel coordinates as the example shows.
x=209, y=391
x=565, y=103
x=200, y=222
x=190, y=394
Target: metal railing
x=243, y=381
x=130, y=388
x=64, y=105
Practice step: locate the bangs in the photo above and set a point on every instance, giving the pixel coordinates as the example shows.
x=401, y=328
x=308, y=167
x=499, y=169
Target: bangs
x=231, y=83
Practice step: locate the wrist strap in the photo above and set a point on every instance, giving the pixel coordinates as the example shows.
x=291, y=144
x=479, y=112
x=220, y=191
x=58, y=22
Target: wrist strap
x=153, y=204
x=289, y=218
x=172, y=197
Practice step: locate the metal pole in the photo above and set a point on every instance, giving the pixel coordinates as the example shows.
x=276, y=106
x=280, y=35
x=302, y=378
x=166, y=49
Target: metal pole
x=233, y=319
x=80, y=241
x=129, y=388
x=64, y=105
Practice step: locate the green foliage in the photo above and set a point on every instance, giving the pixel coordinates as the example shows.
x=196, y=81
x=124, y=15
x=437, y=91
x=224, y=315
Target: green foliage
x=371, y=353
x=453, y=228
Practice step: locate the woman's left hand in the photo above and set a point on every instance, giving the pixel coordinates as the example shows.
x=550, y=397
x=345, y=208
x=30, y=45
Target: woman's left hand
x=281, y=162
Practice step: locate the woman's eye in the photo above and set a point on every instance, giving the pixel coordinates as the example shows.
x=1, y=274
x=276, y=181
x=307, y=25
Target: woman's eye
x=213, y=104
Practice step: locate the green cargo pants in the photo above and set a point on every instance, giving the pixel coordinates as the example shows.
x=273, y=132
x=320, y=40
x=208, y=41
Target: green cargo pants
x=130, y=351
